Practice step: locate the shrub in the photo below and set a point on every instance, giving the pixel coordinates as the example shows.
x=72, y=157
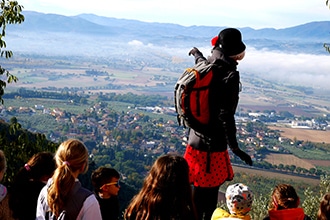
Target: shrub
x=310, y=205
x=312, y=202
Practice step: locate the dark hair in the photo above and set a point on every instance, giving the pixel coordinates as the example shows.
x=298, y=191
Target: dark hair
x=285, y=197
x=28, y=182
x=103, y=175
x=3, y=162
x=166, y=192
x=324, y=210
x=40, y=165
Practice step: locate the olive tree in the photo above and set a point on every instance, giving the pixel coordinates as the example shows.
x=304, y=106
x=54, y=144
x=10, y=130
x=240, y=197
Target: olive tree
x=10, y=14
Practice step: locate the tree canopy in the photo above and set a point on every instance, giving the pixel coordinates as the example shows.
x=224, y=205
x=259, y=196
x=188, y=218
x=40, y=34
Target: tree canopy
x=327, y=45
x=10, y=14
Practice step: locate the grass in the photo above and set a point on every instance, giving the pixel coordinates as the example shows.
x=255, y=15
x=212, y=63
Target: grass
x=288, y=159
x=317, y=136
x=314, y=154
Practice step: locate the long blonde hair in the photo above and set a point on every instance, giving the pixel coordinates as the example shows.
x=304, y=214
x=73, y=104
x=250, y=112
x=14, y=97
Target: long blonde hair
x=71, y=156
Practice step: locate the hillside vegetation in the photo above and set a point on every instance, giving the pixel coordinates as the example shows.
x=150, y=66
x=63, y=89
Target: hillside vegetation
x=119, y=138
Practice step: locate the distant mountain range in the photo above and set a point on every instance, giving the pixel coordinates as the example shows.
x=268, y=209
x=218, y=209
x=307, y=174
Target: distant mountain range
x=98, y=25
x=47, y=27
x=291, y=57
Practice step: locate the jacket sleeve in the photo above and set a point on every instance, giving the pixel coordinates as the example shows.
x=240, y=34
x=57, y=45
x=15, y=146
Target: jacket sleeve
x=199, y=57
x=228, y=107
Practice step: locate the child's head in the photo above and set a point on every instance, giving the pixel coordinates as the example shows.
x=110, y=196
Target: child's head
x=166, y=191
x=3, y=164
x=73, y=155
x=106, y=181
x=71, y=159
x=168, y=173
x=324, y=210
x=40, y=167
x=284, y=196
x=239, y=199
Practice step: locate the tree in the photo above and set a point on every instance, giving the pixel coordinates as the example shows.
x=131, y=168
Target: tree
x=327, y=45
x=10, y=14
x=19, y=145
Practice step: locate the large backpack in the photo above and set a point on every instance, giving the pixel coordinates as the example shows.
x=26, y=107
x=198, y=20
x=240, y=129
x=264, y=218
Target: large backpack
x=192, y=95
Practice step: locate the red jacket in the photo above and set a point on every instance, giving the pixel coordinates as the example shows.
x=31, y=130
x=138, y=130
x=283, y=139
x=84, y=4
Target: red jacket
x=287, y=214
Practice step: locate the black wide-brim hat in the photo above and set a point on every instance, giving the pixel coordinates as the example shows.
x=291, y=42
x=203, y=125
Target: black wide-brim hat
x=230, y=40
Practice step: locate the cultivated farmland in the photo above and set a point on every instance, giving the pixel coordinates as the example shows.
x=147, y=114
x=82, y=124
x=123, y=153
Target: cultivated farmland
x=304, y=134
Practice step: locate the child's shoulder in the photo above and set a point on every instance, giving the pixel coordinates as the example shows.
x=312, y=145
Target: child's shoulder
x=219, y=214
x=224, y=215
x=3, y=192
x=226, y=218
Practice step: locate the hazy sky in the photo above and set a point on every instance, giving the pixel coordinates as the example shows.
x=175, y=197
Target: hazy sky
x=235, y=13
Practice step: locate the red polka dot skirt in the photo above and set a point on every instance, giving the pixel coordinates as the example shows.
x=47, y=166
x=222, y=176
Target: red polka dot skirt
x=220, y=167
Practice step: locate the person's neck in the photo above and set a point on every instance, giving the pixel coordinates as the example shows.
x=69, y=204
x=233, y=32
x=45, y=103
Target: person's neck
x=104, y=195
x=76, y=174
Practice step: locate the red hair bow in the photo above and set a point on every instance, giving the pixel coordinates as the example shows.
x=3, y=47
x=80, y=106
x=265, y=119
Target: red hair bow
x=214, y=40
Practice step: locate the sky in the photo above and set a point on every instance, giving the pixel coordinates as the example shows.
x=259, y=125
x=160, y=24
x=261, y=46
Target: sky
x=235, y=13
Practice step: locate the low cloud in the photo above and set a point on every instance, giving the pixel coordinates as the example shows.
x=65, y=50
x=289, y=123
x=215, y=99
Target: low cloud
x=301, y=69
x=139, y=43
x=295, y=68
x=135, y=43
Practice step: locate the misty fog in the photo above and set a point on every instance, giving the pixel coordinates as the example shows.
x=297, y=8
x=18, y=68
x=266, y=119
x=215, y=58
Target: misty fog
x=301, y=69
x=282, y=66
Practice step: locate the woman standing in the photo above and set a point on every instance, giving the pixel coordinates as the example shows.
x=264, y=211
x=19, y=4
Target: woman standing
x=207, y=154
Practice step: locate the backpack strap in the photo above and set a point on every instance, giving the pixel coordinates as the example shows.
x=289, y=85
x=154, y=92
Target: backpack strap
x=76, y=201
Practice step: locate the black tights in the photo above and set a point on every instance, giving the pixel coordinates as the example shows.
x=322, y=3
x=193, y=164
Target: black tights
x=206, y=200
